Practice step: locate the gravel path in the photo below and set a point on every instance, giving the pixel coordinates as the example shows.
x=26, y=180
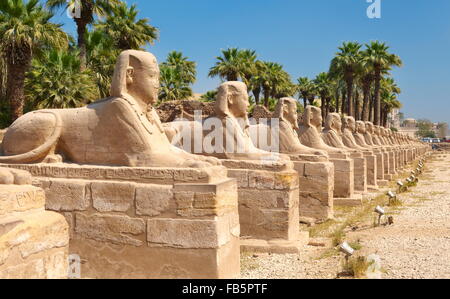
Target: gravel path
x=416, y=246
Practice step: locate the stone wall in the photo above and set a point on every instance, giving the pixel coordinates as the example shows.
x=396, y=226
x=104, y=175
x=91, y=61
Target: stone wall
x=33, y=242
x=169, y=111
x=146, y=222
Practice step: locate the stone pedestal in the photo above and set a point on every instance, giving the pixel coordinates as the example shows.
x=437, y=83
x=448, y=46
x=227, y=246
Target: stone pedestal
x=146, y=222
x=372, y=170
x=33, y=243
x=316, y=181
x=268, y=203
x=344, y=180
x=360, y=172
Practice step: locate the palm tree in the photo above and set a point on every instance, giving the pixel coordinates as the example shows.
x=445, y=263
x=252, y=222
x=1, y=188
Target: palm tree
x=304, y=89
x=249, y=65
x=126, y=31
x=378, y=56
x=323, y=85
x=209, y=96
x=366, y=80
x=55, y=81
x=276, y=82
x=257, y=80
x=179, y=62
x=101, y=59
x=228, y=66
x=88, y=10
x=173, y=87
x=346, y=64
x=25, y=28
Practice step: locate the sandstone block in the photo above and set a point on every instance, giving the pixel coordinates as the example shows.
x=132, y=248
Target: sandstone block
x=116, y=229
x=112, y=196
x=153, y=200
x=187, y=233
x=67, y=195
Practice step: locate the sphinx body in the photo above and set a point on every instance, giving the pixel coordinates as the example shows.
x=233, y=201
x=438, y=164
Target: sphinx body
x=348, y=137
x=122, y=130
x=309, y=131
x=229, y=135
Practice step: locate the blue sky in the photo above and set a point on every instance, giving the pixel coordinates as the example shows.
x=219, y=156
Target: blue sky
x=303, y=35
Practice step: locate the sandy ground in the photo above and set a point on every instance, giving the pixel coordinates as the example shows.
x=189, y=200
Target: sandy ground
x=416, y=246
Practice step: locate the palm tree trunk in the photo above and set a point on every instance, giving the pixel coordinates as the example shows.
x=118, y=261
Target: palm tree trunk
x=257, y=94
x=344, y=102
x=349, y=82
x=304, y=103
x=337, y=103
x=81, y=31
x=327, y=107
x=357, y=107
x=366, y=99
x=377, y=116
x=266, y=98
x=16, y=86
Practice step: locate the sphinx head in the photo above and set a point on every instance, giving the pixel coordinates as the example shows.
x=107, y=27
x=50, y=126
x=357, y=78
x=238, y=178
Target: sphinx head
x=312, y=117
x=334, y=122
x=232, y=100
x=349, y=123
x=137, y=75
x=287, y=109
x=369, y=127
x=360, y=127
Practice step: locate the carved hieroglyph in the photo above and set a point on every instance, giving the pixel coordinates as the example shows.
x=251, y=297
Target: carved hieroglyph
x=122, y=130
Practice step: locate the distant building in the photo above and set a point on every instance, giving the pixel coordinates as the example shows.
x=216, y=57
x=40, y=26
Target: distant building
x=409, y=127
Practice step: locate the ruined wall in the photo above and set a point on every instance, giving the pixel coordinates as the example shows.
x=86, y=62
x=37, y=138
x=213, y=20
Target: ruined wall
x=169, y=111
x=146, y=222
x=33, y=242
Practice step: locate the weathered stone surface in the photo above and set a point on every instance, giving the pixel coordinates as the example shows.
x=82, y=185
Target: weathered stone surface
x=67, y=195
x=34, y=269
x=112, y=196
x=153, y=200
x=241, y=176
x=187, y=233
x=41, y=232
x=115, y=229
x=14, y=198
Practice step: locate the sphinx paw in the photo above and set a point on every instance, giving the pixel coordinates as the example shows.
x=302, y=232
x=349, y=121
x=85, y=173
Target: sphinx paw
x=14, y=177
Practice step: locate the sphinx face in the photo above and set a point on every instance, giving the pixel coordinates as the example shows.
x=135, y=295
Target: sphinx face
x=316, y=117
x=337, y=124
x=361, y=128
x=290, y=113
x=239, y=105
x=351, y=124
x=145, y=82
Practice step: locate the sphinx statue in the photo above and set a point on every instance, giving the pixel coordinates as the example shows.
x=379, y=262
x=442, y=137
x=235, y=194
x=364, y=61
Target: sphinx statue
x=369, y=134
x=309, y=131
x=320, y=181
x=359, y=135
x=122, y=130
x=289, y=143
x=332, y=133
x=348, y=137
x=235, y=143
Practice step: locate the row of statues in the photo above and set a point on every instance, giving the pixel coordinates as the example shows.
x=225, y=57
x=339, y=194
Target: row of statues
x=125, y=130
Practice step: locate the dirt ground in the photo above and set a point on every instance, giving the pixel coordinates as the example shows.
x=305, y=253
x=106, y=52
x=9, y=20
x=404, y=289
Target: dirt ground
x=416, y=246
